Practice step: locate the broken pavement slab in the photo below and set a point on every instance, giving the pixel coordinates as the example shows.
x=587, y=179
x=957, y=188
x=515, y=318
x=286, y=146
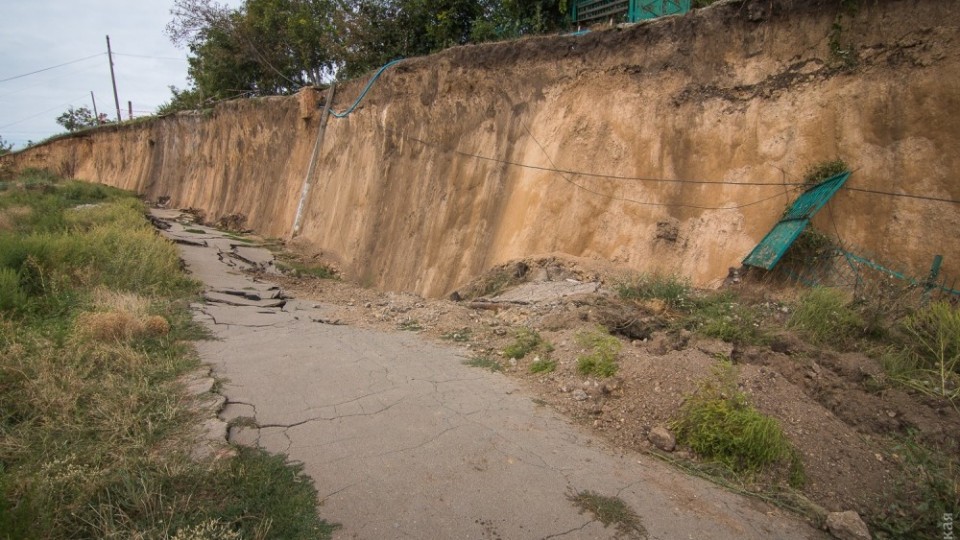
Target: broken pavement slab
x=403, y=440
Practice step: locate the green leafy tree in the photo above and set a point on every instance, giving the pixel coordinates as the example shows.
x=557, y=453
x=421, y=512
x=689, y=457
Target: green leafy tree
x=5, y=147
x=80, y=118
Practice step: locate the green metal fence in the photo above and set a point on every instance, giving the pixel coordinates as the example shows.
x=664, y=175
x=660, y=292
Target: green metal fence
x=594, y=11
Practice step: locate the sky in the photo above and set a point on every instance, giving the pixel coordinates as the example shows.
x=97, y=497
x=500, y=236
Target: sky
x=38, y=34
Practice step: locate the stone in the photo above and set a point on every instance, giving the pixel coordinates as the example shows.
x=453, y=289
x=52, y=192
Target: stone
x=847, y=526
x=662, y=439
x=580, y=395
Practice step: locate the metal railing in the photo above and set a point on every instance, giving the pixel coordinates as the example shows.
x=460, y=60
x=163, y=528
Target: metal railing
x=592, y=11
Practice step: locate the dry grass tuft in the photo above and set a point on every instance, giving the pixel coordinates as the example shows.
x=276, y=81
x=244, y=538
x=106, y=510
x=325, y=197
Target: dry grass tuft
x=108, y=326
x=10, y=216
x=156, y=326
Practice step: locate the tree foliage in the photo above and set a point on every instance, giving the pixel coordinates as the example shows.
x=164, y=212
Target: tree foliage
x=80, y=118
x=267, y=47
x=5, y=147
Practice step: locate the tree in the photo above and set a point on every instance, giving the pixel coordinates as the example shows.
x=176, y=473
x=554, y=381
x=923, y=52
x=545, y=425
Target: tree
x=80, y=118
x=5, y=147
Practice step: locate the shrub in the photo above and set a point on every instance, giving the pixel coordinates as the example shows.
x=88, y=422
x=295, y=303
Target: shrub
x=601, y=358
x=722, y=316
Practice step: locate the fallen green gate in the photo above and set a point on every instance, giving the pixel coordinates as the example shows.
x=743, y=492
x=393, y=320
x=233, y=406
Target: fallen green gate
x=769, y=251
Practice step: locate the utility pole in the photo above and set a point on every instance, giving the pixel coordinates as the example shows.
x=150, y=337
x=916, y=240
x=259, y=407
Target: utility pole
x=129, y=110
x=96, y=115
x=113, y=78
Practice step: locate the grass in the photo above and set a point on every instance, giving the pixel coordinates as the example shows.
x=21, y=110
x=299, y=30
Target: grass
x=410, y=325
x=724, y=316
x=602, y=350
x=292, y=266
x=719, y=424
x=484, y=362
x=96, y=434
x=462, y=335
x=929, y=359
x=543, y=365
x=824, y=170
x=610, y=511
x=672, y=290
x=526, y=341
x=928, y=488
x=823, y=316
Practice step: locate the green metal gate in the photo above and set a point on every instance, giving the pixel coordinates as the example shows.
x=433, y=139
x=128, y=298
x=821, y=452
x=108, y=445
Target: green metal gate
x=590, y=11
x=769, y=251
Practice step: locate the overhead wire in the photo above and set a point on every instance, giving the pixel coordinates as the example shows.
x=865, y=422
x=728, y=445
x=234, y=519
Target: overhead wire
x=52, y=67
x=566, y=177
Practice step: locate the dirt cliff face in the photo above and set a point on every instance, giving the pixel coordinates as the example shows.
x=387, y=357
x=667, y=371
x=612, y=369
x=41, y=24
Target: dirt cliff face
x=420, y=190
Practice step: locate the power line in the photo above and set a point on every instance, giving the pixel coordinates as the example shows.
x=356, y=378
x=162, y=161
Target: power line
x=585, y=173
x=905, y=195
x=71, y=102
x=566, y=177
x=51, y=67
x=151, y=57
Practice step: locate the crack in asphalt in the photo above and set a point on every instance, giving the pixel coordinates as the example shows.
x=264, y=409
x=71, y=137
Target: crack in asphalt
x=571, y=531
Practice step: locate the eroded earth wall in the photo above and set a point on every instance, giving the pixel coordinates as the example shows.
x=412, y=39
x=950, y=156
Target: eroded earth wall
x=422, y=187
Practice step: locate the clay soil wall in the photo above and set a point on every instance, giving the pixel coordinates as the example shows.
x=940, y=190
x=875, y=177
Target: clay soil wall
x=440, y=174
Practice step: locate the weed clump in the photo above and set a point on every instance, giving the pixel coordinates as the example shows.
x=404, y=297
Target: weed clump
x=610, y=511
x=672, y=290
x=824, y=170
x=484, y=362
x=929, y=361
x=526, y=340
x=543, y=365
x=724, y=317
x=824, y=316
x=601, y=358
x=718, y=423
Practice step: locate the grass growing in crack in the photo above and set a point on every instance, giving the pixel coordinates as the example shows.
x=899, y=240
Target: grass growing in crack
x=484, y=362
x=543, y=365
x=602, y=350
x=719, y=424
x=823, y=316
x=610, y=511
x=94, y=333
x=672, y=290
x=526, y=340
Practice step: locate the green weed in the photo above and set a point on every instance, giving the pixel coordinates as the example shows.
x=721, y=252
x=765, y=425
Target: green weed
x=929, y=362
x=543, y=365
x=673, y=290
x=724, y=316
x=927, y=488
x=824, y=317
x=719, y=424
x=483, y=362
x=459, y=336
x=610, y=511
x=824, y=170
x=601, y=358
x=410, y=325
x=526, y=340
x=297, y=268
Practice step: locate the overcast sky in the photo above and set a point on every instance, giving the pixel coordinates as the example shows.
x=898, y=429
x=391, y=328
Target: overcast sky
x=37, y=34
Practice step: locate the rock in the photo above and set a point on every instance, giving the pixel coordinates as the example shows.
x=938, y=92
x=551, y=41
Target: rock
x=715, y=347
x=847, y=526
x=662, y=439
x=579, y=395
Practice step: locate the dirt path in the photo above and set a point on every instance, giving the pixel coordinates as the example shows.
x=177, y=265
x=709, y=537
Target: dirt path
x=404, y=441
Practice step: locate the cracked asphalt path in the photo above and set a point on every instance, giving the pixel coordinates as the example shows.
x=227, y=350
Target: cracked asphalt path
x=404, y=441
